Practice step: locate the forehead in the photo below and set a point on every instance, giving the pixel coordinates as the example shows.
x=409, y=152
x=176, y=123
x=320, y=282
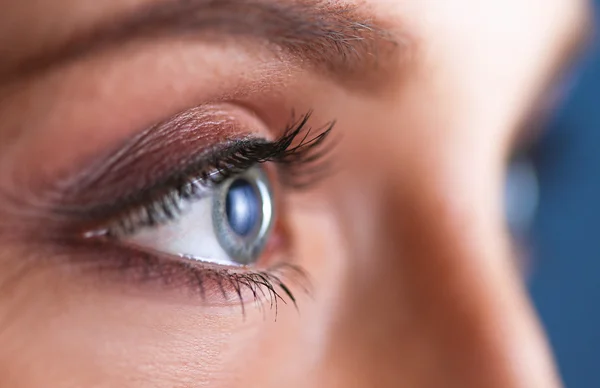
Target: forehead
x=490, y=42
x=495, y=44
x=36, y=22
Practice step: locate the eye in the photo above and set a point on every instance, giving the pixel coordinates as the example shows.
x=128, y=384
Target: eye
x=228, y=223
x=210, y=221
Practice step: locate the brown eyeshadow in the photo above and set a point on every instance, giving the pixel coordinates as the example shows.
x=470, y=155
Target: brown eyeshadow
x=153, y=155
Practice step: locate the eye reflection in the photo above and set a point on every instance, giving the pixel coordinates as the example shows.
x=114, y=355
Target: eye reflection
x=242, y=207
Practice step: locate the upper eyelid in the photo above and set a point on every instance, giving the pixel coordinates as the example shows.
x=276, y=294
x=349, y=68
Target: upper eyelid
x=175, y=142
x=206, y=124
x=296, y=148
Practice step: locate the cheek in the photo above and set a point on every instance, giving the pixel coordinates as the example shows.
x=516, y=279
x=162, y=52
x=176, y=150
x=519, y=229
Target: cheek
x=283, y=351
x=54, y=320
x=110, y=338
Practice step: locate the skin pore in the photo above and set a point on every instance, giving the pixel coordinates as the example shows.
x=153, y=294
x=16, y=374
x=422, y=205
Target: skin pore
x=410, y=271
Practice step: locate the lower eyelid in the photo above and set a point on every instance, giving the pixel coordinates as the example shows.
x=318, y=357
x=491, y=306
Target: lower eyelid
x=126, y=270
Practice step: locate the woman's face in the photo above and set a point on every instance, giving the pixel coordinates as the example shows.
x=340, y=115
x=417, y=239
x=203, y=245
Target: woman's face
x=267, y=193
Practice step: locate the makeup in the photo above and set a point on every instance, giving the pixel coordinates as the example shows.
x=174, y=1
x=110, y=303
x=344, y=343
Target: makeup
x=147, y=185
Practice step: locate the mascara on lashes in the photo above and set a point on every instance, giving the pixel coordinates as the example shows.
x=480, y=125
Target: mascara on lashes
x=299, y=157
x=297, y=154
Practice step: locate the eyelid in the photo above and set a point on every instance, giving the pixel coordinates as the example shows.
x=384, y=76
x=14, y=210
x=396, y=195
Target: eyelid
x=295, y=150
x=150, y=155
x=133, y=269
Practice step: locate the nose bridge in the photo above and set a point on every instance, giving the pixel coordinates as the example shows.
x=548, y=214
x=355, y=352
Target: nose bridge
x=434, y=299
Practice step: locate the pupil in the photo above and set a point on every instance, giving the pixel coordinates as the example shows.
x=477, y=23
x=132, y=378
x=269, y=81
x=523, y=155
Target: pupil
x=242, y=207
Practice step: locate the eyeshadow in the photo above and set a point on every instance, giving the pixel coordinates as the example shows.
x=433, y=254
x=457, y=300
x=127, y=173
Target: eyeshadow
x=153, y=154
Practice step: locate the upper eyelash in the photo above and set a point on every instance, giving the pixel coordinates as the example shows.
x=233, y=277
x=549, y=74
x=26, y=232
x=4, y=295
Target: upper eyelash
x=301, y=163
x=295, y=159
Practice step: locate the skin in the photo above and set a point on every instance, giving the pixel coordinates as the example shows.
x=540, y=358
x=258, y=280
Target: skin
x=413, y=273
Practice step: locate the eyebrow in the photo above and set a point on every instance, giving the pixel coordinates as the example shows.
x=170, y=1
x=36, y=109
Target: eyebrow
x=334, y=37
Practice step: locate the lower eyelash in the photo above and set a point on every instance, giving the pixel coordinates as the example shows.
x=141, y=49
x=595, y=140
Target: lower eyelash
x=269, y=287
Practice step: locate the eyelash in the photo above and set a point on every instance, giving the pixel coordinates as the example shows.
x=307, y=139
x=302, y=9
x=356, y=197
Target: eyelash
x=133, y=266
x=300, y=166
x=301, y=159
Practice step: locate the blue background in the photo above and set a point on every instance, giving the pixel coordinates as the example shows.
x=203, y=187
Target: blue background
x=566, y=235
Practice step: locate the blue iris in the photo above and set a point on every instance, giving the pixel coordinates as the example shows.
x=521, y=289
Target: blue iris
x=242, y=207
